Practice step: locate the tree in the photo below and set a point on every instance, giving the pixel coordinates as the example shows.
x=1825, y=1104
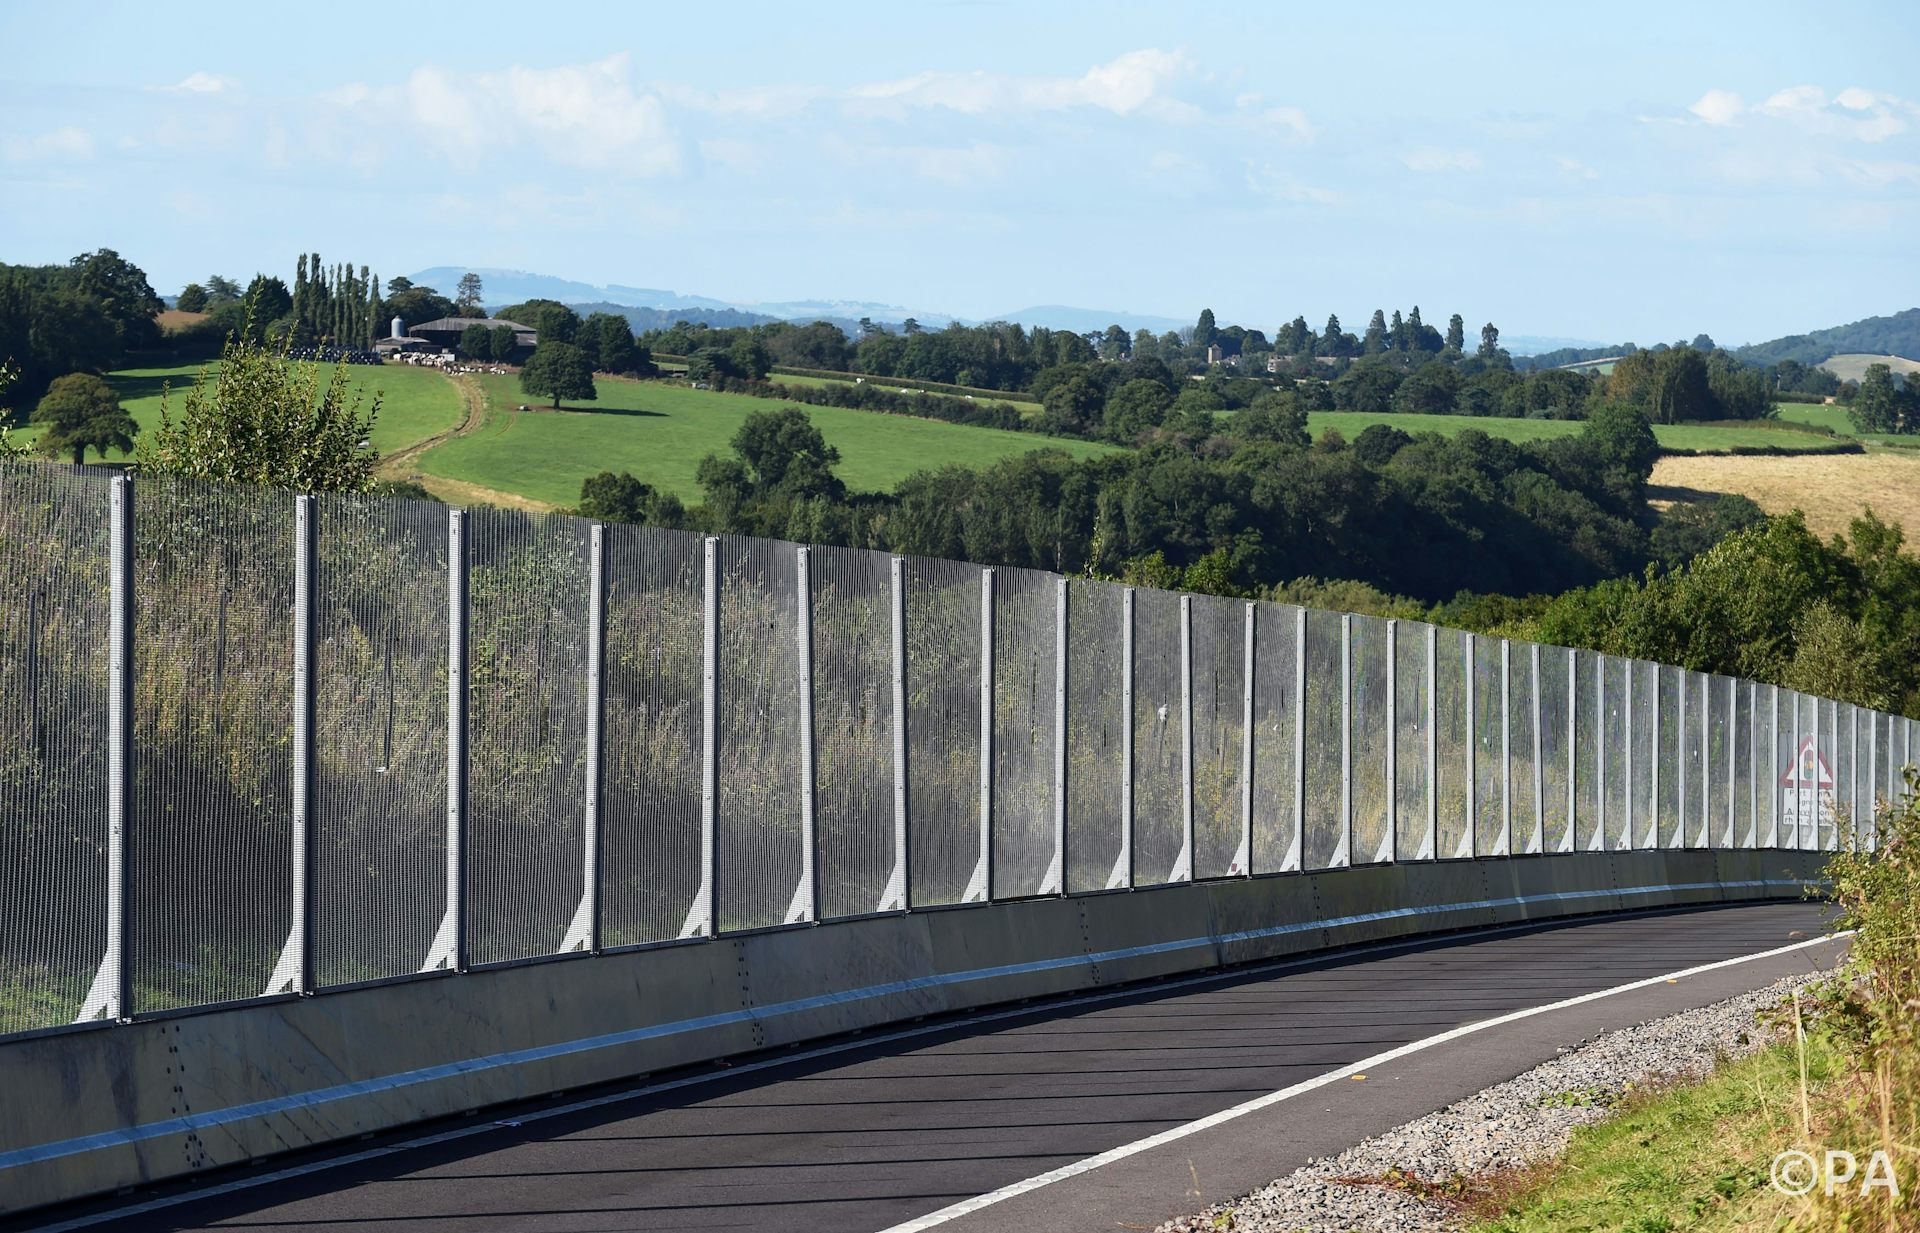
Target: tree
x=193, y=299
x=1456, y=333
x=267, y=421
x=1204, y=330
x=466, y=296
x=1680, y=388
x=556, y=323
x=1114, y=344
x=1135, y=407
x=558, y=370
x=615, y=337
x=1072, y=406
x=397, y=286
x=221, y=290
x=1875, y=406
x=476, y=342
x=123, y=293
x=269, y=299
x=500, y=343
x=1489, y=341
x=622, y=498
x=1332, y=341
x=1375, y=339
x=748, y=358
x=81, y=412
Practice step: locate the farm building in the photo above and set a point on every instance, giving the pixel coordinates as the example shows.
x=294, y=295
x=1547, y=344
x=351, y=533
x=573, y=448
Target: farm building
x=444, y=334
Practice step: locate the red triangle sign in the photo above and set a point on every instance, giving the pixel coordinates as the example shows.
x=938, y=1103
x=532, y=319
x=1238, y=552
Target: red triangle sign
x=1808, y=769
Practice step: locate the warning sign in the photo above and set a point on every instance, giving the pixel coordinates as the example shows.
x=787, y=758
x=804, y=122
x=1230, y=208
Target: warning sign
x=1808, y=781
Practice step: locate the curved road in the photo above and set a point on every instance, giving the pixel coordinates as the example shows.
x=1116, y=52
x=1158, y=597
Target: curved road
x=869, y=1134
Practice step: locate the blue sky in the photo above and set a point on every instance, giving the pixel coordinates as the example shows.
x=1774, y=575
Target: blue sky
x=1613, y=172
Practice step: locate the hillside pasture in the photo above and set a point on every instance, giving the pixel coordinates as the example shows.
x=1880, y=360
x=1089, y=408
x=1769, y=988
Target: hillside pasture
x=1853, y=367
x=416, y=403
x=1831, y=490
x=1705, y=438
x=897, y=385
x=659, y=431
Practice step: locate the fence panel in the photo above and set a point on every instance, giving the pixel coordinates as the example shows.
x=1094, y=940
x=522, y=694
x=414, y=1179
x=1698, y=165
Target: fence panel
x=1671, y=826
x=1719, y=761
x=380, y=735
x=1276, y=717
x=651, y=823
x=1586, y=751
x=1489, y=760
x=1644, y=751
x=759, y=841
x=1160, y=852
x=1413, y=693
x=1616, y=757
x=1096, y=717
x=943, y=731
x=54, y=572
x=1556, y=748
x=1522, y=787
x=1453, y=736
x=527, y=702
x=1367, y=651
x=1026, y=652
x=1745, y=790
x=210, y=838
x=1219, y=732
x=1325, y=844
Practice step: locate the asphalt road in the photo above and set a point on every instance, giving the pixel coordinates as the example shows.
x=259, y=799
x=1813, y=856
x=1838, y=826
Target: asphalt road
x=885, y=1131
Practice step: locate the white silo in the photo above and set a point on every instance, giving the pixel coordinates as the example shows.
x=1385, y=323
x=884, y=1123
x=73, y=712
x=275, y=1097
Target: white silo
x=399, y=328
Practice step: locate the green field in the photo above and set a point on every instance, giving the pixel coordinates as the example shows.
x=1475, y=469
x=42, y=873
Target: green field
x=416, y=402
x=660, y=431
x=1704, y=437
x=1024, y=407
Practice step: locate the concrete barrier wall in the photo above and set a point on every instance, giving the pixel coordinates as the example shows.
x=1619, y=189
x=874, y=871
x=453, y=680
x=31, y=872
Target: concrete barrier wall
x=102, y=1108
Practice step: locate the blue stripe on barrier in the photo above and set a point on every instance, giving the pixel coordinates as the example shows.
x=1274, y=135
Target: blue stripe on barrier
x=195, y=1122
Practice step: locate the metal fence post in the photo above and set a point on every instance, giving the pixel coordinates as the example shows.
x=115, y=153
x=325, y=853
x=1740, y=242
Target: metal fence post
x=1295, y=858
x=806, y=894
x=1538, y=843
x=583, y=934
x=1122, y=873
x=1733, y=774
x=894, y=897
x=1343, y=853
x=701, y=917
x=1599, y=841
x=1390, y=848
x=1431, y=843
x=1243, y=853
x=1680, y=762
x=1799, y=812
x=1506, y=747
x=1471, y=846
x=449, y=949
x=1706, y=761
x=1183, y=864
x=980, y=885
x=1772, y=779
x=1055, y=881
x=109, y=996
x=294, y=971
x=1626, y=750
x=1571, y=840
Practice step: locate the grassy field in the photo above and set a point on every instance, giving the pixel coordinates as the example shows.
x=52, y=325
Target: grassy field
x=1853, y=367
x=1704, y=437
x=1837, y=419
x=660, y=432
x=1025, y=408
x=1830, y=490
x=417, y=402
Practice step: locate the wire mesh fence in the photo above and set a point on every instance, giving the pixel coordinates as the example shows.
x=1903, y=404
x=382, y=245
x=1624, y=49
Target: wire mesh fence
x=519, y=736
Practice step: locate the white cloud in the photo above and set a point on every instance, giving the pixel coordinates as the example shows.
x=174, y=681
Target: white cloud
x=65, y=144
x=1278, y=184
x=1574, y=168
x=1855, y=113
x=1134, y=81
x=1718, y=107
x=586, y=115
x=1433, y=159
x=201, y=82
x=956, y=165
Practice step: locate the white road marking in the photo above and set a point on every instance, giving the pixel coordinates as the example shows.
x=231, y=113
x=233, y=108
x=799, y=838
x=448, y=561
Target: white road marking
x=968, y=1206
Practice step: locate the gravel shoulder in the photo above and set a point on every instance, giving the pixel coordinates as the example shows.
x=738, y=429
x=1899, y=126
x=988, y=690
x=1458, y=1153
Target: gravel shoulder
x=1525, y=1120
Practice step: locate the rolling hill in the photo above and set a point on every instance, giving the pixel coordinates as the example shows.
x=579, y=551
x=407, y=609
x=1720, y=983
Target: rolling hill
x=1897, y=335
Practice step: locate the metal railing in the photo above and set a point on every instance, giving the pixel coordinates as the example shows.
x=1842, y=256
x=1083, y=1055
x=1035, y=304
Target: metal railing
x=255, y=744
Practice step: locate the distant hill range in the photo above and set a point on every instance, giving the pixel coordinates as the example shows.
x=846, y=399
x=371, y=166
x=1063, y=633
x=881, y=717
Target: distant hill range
x=1898, y=335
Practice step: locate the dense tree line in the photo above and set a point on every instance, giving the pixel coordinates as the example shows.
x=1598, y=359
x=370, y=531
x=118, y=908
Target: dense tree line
x=1898, y=334
x=1238, y=508
x=84, y=316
